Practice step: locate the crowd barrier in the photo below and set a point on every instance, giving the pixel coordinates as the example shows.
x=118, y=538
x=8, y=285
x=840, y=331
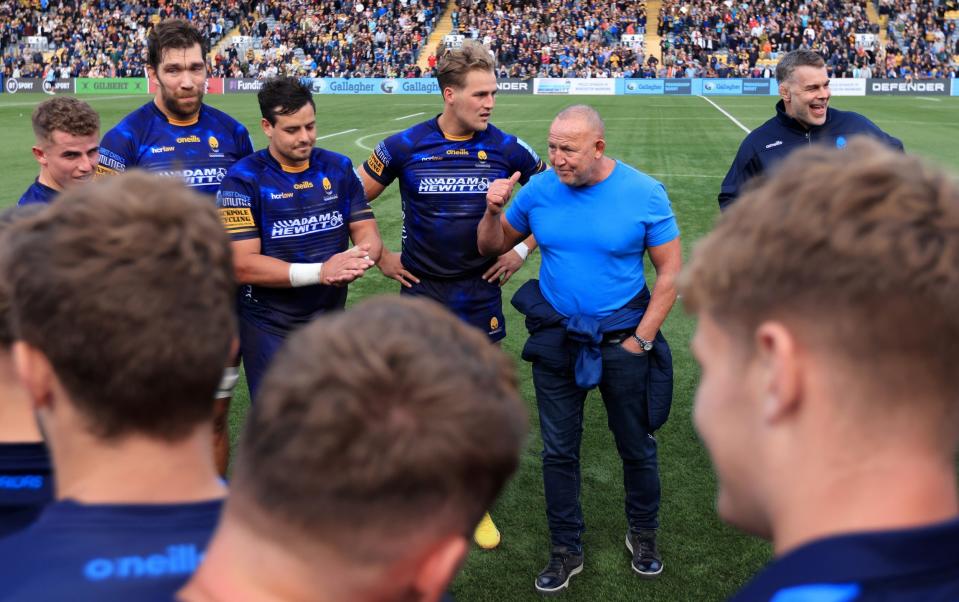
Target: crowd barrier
x=539, y=86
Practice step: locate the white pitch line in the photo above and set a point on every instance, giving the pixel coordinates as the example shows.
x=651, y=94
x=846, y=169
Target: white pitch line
x=91, y=98
x=359, y=141
x=335, y=134
x=408, y=116
x=683, y=175
x=723, y=111
x=927, y=99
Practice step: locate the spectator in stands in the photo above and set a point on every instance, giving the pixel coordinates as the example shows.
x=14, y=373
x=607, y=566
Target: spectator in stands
x=834, y=433
x=120, y=354
x=400, y=444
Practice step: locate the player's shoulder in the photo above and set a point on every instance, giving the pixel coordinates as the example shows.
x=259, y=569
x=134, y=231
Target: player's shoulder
x=222, y=118
x=250, y=167
x=406, y=140
x=635, y=178
x=134, y=122
x=331, y=160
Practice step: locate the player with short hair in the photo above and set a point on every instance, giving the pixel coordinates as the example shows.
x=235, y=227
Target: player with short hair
x=444, y=166
x=291, y=210
x=120, y=354
x=67, y=132
x=26, y=483
x=400, y=443
x=827, y=333
x=803, y=117
x=176, y=134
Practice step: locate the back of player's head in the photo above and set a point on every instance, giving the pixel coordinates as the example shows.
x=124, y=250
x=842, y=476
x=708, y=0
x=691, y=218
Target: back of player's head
x=64, y=114
x=8, y=217
x=856, y=251
x=795, y=59
x=172, y=33
x=452, y=68
x=283, y=96
x=377, y=430
x=126, y=287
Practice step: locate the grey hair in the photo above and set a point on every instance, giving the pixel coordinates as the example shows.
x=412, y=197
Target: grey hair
x=795, y=59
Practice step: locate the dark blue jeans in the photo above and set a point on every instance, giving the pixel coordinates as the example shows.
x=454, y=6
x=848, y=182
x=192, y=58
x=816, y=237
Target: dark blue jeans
x=560, y=401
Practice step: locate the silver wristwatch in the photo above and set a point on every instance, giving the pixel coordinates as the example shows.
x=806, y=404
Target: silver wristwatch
x=646, y=345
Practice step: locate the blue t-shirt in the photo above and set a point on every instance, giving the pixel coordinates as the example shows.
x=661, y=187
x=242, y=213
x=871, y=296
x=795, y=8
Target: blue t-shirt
x=26, y=484
x=37, y=194
x=199, y=151
x=443, y=183
x=914, y=565
x=300, y=216
x=97, y=552
x=592, y=238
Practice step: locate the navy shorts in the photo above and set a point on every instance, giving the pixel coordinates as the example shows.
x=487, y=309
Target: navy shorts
x=473, y=300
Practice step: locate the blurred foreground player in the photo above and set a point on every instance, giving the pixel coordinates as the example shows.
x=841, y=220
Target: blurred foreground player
x=120, y=354
x=67, y=132
x=400, y=443
x=827, y=338
x=25, y=475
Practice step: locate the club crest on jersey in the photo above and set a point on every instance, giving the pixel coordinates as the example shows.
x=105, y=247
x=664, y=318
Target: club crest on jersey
x=214, y=145
x=493, y=324
x=481, y=155
x=326, y=185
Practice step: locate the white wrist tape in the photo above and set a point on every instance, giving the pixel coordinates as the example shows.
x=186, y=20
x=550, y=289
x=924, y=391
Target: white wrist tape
x=522, y=249
x=305, y=274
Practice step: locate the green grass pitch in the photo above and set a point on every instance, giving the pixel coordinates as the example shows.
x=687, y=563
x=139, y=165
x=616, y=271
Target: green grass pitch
x=687, y=144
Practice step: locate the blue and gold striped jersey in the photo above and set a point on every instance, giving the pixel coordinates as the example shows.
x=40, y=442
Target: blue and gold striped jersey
x=37, y=194
x=199, y=151
x=443, y=183
x=300, y=215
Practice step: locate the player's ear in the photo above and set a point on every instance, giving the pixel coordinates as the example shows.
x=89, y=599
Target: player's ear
x=39, y=155
x=35, y=372
x=448, y=92
x=152, y=75
x=267, y=127
x=600, y=148
x=438, y=568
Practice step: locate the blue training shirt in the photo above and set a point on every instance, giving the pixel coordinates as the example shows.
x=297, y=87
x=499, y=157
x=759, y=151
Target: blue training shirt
x=37, y=194
x=905, y=565
x=95, y=552
x=300, y=215
x=443, y=183
x=593, y=238
x=26, y=484
x=198, y=151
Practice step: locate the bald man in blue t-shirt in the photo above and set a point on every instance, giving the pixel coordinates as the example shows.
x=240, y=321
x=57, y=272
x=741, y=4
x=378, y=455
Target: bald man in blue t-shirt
x=593, y=322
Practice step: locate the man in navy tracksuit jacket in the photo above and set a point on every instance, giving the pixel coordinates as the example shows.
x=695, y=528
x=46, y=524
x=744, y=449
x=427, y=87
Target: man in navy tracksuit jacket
x=803, y=117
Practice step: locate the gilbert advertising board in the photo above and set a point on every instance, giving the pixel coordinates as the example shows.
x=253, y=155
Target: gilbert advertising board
x=214, y=85
x=112, y=85
x=847, y=86
x=902, y=87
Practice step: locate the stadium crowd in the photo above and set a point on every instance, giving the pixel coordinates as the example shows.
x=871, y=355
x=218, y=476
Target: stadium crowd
x=547, y=38
x=102, y=39
x=330, y=39
x=710, y=39
x=556, y=39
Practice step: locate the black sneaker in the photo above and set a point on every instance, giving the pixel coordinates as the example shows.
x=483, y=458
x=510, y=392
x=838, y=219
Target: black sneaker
x=646, y=560
x=563, y=564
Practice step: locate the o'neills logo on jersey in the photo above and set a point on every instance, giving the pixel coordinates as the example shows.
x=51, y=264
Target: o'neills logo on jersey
x=303, y=185
x=302, y=226
x=198, y=177
x=186, y=139
x=457, y=151
x=178, y=559
x=453, y=185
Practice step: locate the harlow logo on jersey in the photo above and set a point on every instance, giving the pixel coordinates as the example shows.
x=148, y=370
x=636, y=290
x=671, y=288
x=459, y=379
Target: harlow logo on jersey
x=453, y=185
x=178, y=559
x=304, y=226
x=19, y=482
x=198, y=177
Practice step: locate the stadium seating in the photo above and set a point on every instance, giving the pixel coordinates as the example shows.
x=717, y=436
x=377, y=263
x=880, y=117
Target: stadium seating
x=551, y=38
